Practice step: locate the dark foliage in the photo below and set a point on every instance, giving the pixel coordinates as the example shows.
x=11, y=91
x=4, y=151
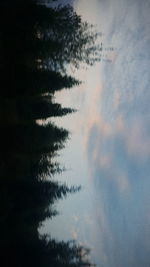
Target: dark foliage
x=34, y=61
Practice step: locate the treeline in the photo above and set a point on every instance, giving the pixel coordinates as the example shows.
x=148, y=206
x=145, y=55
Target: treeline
x=37, y=44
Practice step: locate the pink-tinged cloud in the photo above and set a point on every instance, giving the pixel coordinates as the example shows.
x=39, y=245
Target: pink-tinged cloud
x=95, y=120
x=105, y=161
x=119, y=124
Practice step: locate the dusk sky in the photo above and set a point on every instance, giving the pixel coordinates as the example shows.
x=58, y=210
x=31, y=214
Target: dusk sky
x=109, y=149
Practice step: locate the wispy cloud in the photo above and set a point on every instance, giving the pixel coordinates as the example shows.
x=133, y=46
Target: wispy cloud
x=117, y=137
x=114, y=127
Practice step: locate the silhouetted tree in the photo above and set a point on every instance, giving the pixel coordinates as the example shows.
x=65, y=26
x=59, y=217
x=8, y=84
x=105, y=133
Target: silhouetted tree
x=43, y=81
x=32, y=138
x=65, y=39
x=40, y=108
x=35, y=82
x=38, y=44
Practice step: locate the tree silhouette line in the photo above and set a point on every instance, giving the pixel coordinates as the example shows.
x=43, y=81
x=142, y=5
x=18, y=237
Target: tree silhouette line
x=34, y=63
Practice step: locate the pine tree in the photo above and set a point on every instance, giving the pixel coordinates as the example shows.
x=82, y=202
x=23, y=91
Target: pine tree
x=40, y=108
x=59, y=26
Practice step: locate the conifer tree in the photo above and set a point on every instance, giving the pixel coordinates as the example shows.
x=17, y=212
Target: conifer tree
x=59, y=26
x=41, y=108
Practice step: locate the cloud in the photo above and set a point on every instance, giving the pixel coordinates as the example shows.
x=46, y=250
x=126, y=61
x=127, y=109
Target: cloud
x=105, y=161
x=116, y=99
x=138, y=140
x=117, y=139
x=76, y=218
x=123, y=182
x=74, y=234
x=114, y=123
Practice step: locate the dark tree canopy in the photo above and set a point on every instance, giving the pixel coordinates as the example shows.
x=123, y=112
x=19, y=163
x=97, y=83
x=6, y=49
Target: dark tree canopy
x=65, y=39
x=39, y=43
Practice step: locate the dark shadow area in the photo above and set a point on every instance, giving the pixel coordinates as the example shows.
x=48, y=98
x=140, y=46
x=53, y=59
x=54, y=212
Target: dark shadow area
x=33, y=66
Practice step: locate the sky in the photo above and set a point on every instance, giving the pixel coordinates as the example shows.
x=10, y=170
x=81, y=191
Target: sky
x=109, y=149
